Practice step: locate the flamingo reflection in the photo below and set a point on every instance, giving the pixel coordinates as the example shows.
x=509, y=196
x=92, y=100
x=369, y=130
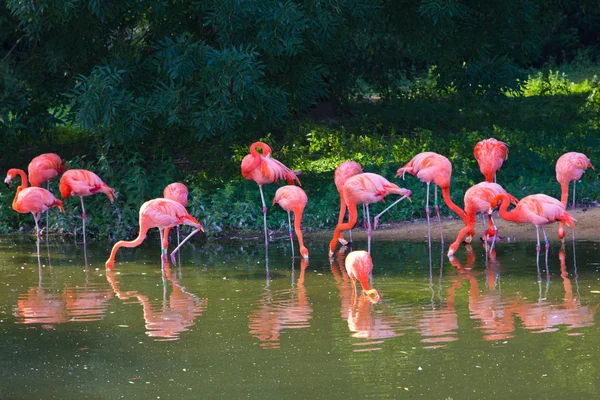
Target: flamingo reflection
x=167, y=319
x=279, y=310
x=546, y=316
x=47, y=305
x=364, y=320
x=494, y=313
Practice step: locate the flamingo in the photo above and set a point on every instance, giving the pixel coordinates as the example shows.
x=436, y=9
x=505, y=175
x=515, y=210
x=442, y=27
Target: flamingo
x=490, y=154
x=344, y=171
x=178, y=192
x=263, y=169
x=570, y=167
x=359, y=266
x=293, y=198
x=364, y=188
x=538, y=209
x=477, y=200
x=432, y=167
x=81, y=182
x=34, y=200
x=44, y=168
x=161, y=214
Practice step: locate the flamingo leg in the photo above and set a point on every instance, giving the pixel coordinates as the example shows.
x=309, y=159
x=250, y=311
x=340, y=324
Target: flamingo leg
x=36, y=218
x=484, y=226
x=545, y=238
x=376, y=219
x=437, y=211
x=47, y=216
x=368, y=231
x=163, y=251
x=537, y=248
x=427, y=213
x=182, y=243
x=573, y=207
x=83, y=217
x=291, y=234
x=262, y=197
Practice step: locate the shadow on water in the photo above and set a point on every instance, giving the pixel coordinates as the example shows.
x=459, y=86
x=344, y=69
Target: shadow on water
x=144, y=331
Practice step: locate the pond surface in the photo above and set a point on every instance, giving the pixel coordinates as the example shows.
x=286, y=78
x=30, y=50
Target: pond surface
x=226, y=324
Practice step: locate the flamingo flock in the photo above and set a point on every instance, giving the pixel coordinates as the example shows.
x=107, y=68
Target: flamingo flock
x=354, y=186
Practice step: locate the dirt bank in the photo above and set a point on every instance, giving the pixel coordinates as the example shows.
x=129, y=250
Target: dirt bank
x=587, y=227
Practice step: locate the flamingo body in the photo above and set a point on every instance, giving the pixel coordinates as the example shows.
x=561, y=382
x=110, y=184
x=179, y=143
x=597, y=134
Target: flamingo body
x=263, y=169
x=44, y=168
x=293, y=198
x=477, y=200
x=490, y=154
x=178, y=192
x=359, y=266
x=156, y=213
x=81, y=182
x=537, y=209
x=35, y=200
x=365, y=188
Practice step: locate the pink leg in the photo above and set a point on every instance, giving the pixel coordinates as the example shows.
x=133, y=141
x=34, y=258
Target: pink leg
x=36, y=218
x=437, y=211
x=368, y=231
x=47, y=222
x=427, y=212
x=163, y=251
x=537, y=248
x=83, y=217
x=573, y=207
x=291, y=234
x=262, y=197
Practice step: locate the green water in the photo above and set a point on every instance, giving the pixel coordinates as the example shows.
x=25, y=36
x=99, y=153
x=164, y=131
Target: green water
x=221, y=326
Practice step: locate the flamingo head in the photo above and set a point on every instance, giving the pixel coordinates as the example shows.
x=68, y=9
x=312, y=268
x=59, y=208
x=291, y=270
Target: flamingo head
x=304, y=252
x=10, y=175
x=374, y=295
x=453, y=248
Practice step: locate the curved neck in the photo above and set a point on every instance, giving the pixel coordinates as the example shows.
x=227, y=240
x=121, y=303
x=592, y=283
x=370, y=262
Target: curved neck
x=23, y=176
x=503, y=211
x=110, y=263
x=353, y=216
x=469, y=225
x=448, y=200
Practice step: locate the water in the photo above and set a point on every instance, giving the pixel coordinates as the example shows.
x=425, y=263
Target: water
x=227, y=324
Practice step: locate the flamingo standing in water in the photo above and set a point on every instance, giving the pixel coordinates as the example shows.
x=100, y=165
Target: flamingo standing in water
x=44, y=168
x=570, y=167
x=490, y=154
x=359, y=266
x=293, y=198
x=364, y=188
x=161, y=214
x=432, y=167
x=263, y=169
x=179, y=193
x=344, y=171
x=538, y=209
x=81, y=182
x=34, y=200
x=477, y=200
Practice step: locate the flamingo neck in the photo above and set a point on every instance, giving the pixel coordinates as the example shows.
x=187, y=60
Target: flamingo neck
x=564, y=193
x=110, y=263
x=469, y=224
x=297, y=221
x=503, y=211
x=448, y=200
x=352, y=217
x=23, y=176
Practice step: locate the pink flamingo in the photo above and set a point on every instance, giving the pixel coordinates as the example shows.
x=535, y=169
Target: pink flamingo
x=432, y=167
x=179, y=193
x=490, y=154
x=81, y=182
x=344, y=171
x=570, y=167
x=292, y=198
x=263, y=169
x=538, y=209
x=34, y=200
x=477, y=200
x=364, y=188
x=359, y=266
x=161, y=214
x=44, y=168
